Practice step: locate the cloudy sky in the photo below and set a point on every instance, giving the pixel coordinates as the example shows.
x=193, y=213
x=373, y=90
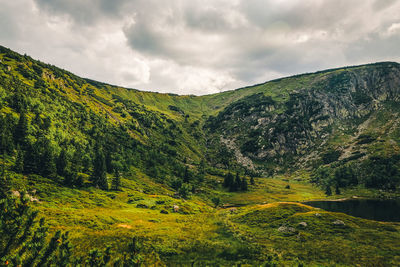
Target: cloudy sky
x=200, y=46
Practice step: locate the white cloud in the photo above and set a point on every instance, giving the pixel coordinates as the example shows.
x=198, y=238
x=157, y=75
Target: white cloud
x=200, y=46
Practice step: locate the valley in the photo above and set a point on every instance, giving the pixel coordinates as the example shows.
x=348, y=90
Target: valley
x=202, y=180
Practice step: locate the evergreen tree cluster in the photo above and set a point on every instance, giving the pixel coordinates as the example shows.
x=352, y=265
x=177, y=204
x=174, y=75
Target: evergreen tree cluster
x=235, y=184
x=49, y=135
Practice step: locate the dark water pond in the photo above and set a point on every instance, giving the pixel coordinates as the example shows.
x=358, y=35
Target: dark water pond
x=373, y=209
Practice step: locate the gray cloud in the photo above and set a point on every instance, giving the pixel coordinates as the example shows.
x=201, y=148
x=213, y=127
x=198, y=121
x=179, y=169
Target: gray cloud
x=201, y=46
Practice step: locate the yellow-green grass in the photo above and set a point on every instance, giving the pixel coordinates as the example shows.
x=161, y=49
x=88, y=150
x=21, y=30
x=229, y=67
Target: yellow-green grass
x=268, y=190
x=358, y=242
x=200, y=233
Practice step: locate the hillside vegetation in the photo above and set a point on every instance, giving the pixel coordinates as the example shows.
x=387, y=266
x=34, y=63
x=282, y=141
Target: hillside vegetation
x=214, y=179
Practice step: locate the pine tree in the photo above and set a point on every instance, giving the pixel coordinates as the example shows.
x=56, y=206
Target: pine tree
x=244, y=186
x=337, y=190
x=252, y=182
x=328, y=190
x=23, y=241
x=109, y=165
x=236, y=184
x=99, y=177
x=19, y=162
x=47, y=163
x=6, y=138
x=228, y=180
x=21, y=130
x=186, y=176
x=134, y=256
x=202, y=168
x=3, y=179
x=62, y=162
x=116, y=181
x=31, y=158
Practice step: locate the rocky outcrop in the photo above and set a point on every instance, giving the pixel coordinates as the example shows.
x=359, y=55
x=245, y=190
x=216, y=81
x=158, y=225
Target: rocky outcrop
x=290, y=127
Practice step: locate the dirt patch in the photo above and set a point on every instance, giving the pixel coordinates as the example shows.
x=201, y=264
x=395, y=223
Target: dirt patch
x=125, y=226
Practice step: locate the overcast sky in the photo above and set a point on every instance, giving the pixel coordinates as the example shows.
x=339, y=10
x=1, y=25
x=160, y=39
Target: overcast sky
x=200, y=46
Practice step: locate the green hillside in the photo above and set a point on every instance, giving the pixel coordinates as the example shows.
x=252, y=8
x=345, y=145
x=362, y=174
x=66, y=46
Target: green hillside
x=195, y=180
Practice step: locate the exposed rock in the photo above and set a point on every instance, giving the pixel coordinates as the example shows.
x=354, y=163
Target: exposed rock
x=31, y=198
x=317, y=214
x=339, y=223
x=176, y=208
x=259, y=127
x=303, y=224
x=286, y=229
x=245, y=161
x=15, y=193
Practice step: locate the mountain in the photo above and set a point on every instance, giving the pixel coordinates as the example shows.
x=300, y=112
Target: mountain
x=336, y=118
x=106, y=162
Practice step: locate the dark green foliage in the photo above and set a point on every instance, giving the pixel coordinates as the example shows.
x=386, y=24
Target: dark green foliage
x=21, y=130
x=6, y=137
x=62, y=162
x=216, y=201
x=99, y=177
x=244, y=185
x=337, y=190
x=19, y=162
x=134, y=255
x=228, y=180
x=252, y=181
x=116, y=180
x=381, y=172
x=361, y=98
x=187, y=175
x=185, y=191
x=235, y=183
x=331, y=156
x=23, y=239
x=328, y=190
x=47, y=166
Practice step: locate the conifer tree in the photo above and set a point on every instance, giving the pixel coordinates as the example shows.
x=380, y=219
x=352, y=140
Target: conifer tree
x=328, y=191
x=21, y=129
x=6, y=138
x=62, y=162
x=186, y=176
x=109, y=165
x=47, y=165
x=31, y=158
x=337, y=190
x=228, y=180
x=252, y=182
x=116, y=181
x=236, y=184
x=3, y=180
x=99, y=177
x=244, y=185
x=19, y=162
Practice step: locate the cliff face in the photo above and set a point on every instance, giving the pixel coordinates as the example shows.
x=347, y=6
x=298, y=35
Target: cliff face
x=296, y=126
